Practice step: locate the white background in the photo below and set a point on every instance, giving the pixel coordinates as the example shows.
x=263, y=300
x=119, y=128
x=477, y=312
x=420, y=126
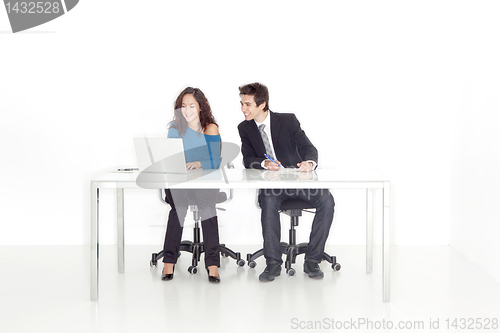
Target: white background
x=410, y=88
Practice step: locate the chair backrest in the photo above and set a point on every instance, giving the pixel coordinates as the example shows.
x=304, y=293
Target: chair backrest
x=221, y=197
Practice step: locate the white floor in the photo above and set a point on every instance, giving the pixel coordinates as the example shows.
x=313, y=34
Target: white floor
x=46, y=289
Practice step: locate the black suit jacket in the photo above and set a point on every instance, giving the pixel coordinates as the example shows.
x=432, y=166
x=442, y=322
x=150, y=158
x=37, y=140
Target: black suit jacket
x=290, y=143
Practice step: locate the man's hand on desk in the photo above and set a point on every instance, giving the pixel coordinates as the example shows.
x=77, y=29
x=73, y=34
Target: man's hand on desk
x=270, y=165
x=193, y=165
x=305, y=166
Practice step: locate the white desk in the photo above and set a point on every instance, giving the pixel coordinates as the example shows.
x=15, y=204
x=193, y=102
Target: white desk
x=238, y=178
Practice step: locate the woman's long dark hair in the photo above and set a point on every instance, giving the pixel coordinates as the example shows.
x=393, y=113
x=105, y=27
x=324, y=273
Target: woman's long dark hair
x=206, y=116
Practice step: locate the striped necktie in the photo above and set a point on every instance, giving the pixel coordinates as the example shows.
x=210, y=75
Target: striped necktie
x=265, y=139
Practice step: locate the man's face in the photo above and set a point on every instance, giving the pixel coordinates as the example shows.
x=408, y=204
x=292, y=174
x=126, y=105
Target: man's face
x=251, y=110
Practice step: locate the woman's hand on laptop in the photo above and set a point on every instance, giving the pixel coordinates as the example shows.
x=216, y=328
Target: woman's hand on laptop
x=193, y=165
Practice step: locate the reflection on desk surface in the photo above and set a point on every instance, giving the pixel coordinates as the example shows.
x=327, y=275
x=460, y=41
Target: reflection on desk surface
x=283, y=174
x=247, y=176
x=145, y=178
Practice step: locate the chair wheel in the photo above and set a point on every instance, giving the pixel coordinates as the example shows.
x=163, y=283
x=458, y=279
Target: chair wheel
x=290, y=272
x=252, y=264
x=153, y=263
x=223, y=255
x=240, y=263
x=192, y=269
x=336, y=267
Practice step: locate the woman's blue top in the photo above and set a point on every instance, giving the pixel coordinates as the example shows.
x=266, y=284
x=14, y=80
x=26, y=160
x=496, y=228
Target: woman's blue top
x=199, y=147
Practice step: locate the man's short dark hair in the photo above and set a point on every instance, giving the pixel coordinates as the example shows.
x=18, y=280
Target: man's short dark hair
x=258, y=91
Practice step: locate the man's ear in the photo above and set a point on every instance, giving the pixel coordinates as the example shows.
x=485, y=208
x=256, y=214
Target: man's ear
x=262, y=106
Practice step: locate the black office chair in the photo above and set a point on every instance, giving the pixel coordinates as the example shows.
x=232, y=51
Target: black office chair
x=196, y=245
x=293, y=208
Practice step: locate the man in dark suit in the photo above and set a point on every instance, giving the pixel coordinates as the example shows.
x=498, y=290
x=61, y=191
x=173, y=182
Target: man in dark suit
x=278, y=136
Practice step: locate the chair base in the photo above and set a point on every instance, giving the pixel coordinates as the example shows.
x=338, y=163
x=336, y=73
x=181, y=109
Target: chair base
x=294, y=209
x=292, y=251
x=196, y=246
x=197, y=249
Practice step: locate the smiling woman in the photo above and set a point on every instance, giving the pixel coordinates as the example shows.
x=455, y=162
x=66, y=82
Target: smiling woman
x=185, y=104
x=190, y=110
x=195, y=124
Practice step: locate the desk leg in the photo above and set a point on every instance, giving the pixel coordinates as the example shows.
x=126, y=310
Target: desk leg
x=386, y=243
x=120, y=229
x=94, y=241
x=369, y=231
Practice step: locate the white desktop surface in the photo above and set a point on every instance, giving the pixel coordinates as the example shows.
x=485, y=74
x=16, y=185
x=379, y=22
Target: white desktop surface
x=250, y=178
x=336, y=178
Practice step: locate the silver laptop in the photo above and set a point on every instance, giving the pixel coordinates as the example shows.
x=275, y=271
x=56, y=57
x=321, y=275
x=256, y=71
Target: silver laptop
x=160, y=155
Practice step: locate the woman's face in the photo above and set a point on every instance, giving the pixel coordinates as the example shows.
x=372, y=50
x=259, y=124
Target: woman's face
x=190, y=109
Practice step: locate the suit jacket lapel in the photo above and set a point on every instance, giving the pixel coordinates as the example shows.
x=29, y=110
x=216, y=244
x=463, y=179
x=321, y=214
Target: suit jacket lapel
x=275, y=130
x=255, y=136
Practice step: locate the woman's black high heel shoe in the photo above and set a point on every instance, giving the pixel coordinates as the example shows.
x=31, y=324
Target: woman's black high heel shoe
x=214, y=279
x=168, y=277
